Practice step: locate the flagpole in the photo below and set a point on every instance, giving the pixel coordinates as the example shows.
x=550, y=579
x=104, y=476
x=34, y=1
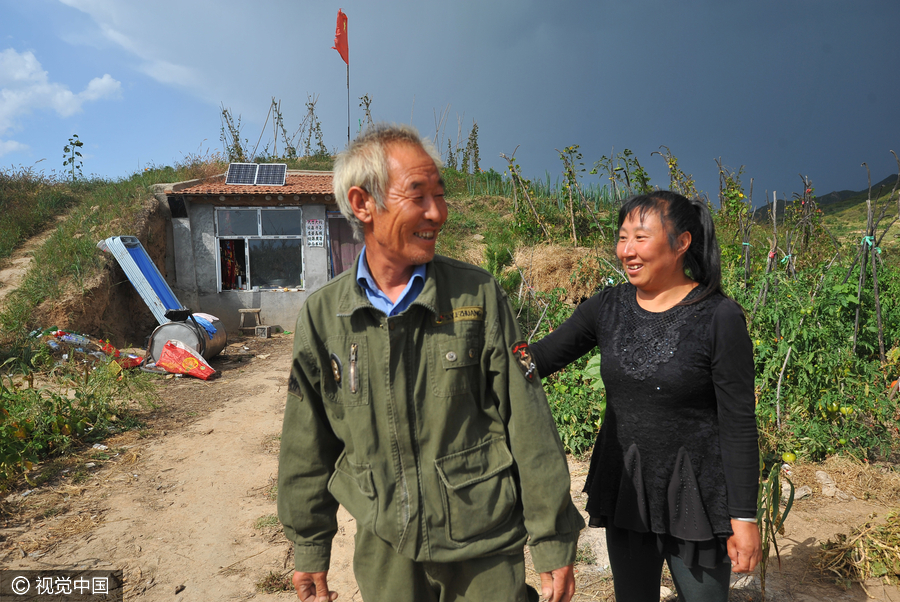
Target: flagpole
x=348, y=102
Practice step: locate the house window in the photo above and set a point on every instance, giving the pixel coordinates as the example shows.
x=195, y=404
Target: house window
x=260, y=248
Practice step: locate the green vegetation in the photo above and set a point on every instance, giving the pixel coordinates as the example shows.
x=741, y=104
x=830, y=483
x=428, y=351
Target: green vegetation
x=81, y=405
x=72, y=157
x=266, y=521
x=818, y=328
x=29, y=200
x=38, y=423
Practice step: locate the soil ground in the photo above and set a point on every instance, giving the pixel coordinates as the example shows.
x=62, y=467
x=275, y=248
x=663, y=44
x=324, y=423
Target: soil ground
x=185, y=505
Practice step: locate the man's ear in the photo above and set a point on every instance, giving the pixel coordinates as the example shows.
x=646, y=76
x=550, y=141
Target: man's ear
x=362, y=204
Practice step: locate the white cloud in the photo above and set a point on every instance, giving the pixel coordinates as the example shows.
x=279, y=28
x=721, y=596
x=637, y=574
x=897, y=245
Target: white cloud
x=26, y=87
x=127, y=26
x=9, y=146
x=102, y=87
x=16, y=68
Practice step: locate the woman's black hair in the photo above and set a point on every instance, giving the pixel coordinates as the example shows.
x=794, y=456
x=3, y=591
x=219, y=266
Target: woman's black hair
x=679, y=214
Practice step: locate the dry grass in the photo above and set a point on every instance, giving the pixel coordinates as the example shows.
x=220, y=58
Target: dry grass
x=869, y=551
x=590, y=584
x=859, y=479
x=577, y=270
x=75, y=525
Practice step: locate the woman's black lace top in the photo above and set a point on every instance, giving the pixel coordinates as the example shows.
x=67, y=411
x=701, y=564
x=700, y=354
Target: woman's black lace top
x=677, y=453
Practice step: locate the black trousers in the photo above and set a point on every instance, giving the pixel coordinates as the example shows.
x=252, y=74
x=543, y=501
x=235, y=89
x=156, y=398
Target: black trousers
x=637, y=572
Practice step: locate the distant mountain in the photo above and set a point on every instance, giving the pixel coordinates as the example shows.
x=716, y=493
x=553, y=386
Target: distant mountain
x=835, y=197
x=884, y=186
x=837, y=201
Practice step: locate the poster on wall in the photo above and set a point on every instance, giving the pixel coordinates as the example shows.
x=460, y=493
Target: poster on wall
x=315, y=233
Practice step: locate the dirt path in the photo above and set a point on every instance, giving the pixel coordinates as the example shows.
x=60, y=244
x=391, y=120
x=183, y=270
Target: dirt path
x=186, y=506
x=13, y=270
x=191, y=504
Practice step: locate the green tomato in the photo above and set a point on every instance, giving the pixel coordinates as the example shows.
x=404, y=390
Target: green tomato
x=830, y=450
x=846, y=410
x=842, y=441
x=789, y=457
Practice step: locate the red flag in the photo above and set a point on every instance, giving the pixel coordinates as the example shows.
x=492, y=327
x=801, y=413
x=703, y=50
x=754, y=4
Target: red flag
x=340, y=37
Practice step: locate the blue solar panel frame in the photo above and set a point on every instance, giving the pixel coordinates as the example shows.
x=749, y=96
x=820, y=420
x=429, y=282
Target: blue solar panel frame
x=241, y=174
x=271, y=174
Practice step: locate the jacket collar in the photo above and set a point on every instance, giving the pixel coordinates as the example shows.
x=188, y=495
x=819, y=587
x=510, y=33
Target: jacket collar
x=354, y=297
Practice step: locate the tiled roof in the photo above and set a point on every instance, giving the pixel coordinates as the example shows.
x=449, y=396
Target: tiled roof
x=295, y=183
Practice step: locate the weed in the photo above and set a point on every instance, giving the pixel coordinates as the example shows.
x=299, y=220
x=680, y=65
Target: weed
x=585, y=554
x=274, y=583
x=770, y=516
x=314, y=144
x=72, y=157
x=365, y=103
x=230, y=135
x=266, y=522
x=54, y=511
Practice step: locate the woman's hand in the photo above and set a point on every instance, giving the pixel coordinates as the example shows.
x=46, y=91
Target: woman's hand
x=744, y=547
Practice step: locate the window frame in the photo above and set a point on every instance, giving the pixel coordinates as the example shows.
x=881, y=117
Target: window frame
x=246, y=238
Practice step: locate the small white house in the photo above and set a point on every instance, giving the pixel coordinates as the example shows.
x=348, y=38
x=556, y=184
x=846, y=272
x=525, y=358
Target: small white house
x=236, y=246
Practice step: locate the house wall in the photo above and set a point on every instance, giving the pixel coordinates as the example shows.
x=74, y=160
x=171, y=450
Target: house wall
x=195, y=282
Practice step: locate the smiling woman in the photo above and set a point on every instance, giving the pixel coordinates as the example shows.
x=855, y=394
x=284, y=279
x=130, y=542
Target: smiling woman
x=674, y=473
x=653, y=265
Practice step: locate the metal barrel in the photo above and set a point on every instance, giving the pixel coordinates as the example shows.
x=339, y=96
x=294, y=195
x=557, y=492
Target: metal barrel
x=187, y=333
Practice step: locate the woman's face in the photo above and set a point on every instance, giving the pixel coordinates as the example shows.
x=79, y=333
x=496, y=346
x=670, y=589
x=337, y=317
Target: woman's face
x=648, y=259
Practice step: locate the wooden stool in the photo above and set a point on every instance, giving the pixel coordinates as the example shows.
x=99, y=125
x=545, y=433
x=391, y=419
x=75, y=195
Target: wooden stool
x=255, y=312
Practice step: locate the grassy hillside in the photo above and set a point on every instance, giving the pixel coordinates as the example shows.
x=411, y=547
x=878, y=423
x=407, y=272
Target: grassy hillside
x=847, y=217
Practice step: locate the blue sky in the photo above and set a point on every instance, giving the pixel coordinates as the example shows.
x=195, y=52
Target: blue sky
x=782, y=87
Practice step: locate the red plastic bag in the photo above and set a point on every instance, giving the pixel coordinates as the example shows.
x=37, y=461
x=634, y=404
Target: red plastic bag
x=179, y=359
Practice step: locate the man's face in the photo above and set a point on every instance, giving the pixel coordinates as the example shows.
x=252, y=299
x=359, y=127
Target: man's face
x=404, y=233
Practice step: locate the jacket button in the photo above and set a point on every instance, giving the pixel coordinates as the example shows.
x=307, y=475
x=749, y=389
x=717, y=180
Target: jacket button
x=391, y=325
x=471, y=353
x=451, y=357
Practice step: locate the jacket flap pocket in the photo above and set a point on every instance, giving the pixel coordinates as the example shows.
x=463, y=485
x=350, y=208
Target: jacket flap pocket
x=459, y=352
x=360, y=473
x=475, y=464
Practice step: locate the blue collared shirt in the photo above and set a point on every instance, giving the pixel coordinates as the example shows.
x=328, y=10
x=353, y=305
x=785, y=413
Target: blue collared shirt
x=379, y=299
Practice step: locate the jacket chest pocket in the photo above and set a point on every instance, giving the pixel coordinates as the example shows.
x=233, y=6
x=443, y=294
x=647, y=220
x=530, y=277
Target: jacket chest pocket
x=345, y=376
x=454, y=362
x=479, y=490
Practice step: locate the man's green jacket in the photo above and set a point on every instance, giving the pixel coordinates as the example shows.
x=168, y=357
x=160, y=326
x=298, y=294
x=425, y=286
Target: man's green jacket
x=430, y=427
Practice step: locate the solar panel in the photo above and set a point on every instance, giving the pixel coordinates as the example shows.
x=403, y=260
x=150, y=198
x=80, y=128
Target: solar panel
x=249, y=174
x=241, y=173
x=271, y=174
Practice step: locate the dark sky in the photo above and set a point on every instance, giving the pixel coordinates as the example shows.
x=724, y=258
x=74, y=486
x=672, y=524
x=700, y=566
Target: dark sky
x=782, y=88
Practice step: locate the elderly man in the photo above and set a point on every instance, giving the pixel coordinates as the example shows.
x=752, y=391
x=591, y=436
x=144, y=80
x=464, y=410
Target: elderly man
x=414, y=402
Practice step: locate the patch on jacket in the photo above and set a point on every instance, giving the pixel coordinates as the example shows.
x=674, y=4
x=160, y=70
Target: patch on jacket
x=523, y=356
x=461, y=314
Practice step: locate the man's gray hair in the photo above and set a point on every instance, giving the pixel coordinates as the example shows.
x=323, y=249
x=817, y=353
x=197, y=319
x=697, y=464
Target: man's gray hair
x=364, y=164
